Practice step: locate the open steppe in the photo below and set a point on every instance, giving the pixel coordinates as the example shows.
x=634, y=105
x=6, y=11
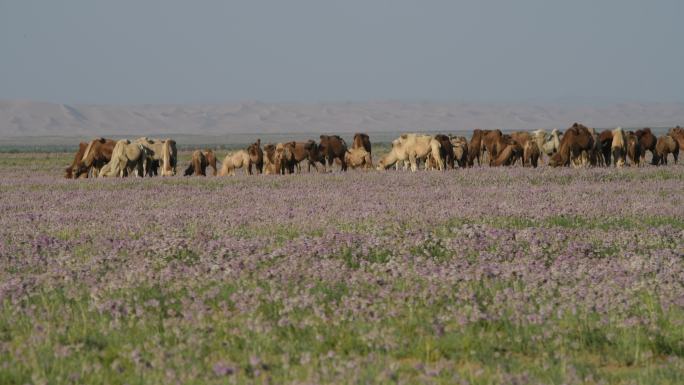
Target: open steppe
x=478, y=276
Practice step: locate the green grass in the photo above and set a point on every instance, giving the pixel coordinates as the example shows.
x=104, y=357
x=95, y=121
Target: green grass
x=119, y=348
x=572, y=222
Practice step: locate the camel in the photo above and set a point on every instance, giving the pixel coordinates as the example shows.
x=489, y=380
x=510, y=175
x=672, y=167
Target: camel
x=618, y=147
x=238, y=159
x=605, y=140
x=97, y=154
x=521, y=137
x=281, y=158
x=547, y=144
x=77, y=163
x=333, y=147
x=595, y=155
x=666, y=145
x=576, y=144
x=461, y=153
x=509, y=151
x=362, y=140
x=358, y=157
x=492, y=142
x=446, y=150
x=475, y=147
x=647, y=142
x=161, y=152
x=411, y=147
x=285, y=161
x=633, y=148
x=269, y=159
x=496, y=142
x=256, y=157
x=127, y=158
x=531, y=154
x=308, y=151
x=677, y=134
x=201, y=159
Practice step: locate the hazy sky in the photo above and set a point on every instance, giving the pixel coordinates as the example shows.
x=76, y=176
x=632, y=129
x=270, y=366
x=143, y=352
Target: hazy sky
x=202, y=51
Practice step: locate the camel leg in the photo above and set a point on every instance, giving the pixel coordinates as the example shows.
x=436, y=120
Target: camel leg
x=412, y=161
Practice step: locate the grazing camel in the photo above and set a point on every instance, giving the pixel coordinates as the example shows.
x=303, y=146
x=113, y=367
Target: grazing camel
x=666, y=145
x=576, y=144
x=358, y=157
x=531, y=154
x=493, y=143
x=411, y=147
x=239, y=159
x=97, y=154
x=77, y=163
x=475, y=149
x=160, y=153
x=633, y=148
x=333, y=147
x=548, y=144
x=446, y=151
x=647, y=142
x=201, y=159
x=508, y=152
x=461, y=150
x=618, y=147
x=127, y=158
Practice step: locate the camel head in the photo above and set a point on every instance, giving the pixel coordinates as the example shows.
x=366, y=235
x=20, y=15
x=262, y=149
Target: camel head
x=556, y=160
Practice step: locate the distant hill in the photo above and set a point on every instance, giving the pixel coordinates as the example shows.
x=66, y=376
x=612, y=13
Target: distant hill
x=30, y=118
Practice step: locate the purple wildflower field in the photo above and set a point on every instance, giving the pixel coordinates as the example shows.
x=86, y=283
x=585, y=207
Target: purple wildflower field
x=475, y=276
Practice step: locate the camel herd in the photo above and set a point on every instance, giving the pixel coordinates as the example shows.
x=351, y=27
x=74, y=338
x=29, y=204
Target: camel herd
x=578, y=146
x=110, y=158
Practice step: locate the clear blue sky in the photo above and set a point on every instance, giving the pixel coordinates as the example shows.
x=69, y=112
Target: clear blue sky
x=202, y=51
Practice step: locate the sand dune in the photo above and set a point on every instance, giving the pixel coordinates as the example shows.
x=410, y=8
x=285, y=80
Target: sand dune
x=30, y=118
